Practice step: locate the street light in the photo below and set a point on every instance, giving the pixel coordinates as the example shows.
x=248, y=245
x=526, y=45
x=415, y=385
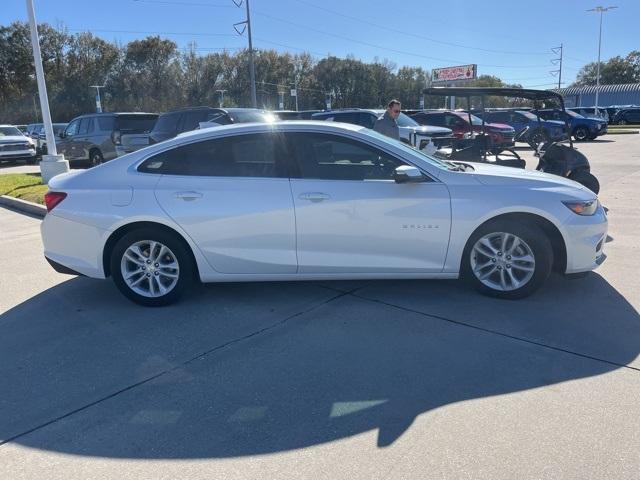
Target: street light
x=600, y=10
x=98, y=102
x=51, y=164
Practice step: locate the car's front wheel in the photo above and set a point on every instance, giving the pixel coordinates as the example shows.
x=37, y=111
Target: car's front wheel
x=151, y=267
x=507, y=259
x=581, y=134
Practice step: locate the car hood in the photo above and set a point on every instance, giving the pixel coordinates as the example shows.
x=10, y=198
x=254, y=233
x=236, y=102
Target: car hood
x=426, y=130
x=497, y=175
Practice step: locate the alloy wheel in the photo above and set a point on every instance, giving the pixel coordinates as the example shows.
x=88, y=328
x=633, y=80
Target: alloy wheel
x=502, y=261
x=150, y=268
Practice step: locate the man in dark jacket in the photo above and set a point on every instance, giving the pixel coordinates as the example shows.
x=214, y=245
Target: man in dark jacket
x=387, y=124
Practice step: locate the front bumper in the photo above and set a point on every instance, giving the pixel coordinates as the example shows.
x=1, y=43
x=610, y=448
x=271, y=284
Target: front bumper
x=18, y=155
x=585, y=240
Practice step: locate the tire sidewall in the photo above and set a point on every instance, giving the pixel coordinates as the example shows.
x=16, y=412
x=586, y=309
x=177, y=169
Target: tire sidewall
x=95, y=158
x=533, y=236
x=583, y=137
x=183, y=257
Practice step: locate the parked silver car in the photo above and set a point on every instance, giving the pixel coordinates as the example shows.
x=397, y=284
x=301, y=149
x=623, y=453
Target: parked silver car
x=100, y=137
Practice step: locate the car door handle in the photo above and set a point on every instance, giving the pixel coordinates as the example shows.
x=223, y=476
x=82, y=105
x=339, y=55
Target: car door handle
x=188, y=196
x=314, y=196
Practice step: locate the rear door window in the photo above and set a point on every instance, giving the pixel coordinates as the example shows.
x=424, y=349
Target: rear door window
x=254, y=155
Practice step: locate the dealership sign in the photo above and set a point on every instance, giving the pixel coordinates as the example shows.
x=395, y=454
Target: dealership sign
x=454, y=74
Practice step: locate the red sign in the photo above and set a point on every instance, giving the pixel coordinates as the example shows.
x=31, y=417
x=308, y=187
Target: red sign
x=454, y=74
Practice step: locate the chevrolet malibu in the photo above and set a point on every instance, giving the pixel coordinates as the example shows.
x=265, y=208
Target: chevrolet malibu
x=314, y=201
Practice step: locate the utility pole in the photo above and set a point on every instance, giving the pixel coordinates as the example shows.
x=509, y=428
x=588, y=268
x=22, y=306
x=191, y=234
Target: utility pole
x=558, y=61
x=221, y=99
x=98, y=101
x=252, y=70
x=294, y=92
x=52, y=164
x=600, y=10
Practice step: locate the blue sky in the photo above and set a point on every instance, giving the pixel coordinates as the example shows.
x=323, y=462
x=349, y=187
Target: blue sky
x=505, y=38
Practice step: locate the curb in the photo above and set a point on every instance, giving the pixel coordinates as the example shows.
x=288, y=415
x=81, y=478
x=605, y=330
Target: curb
x=23, y=206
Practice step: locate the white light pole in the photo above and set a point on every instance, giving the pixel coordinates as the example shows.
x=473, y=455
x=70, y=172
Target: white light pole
x=98, y=100
x=601, y=10
x=52, y=164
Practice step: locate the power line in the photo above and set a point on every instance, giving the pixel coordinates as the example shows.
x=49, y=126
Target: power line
x=415, y=35
x=189, y=4
x=380, y=47
x=147, y=32
x=353, y=40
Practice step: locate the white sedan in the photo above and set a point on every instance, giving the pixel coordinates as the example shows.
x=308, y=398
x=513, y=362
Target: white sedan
x=307, y=200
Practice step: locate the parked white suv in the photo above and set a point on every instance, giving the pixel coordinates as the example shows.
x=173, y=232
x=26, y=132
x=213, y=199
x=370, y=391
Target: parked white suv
x=422, y=137
x=15, y=145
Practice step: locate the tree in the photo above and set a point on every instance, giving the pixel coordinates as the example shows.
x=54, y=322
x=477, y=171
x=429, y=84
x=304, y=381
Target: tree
x=614, y=71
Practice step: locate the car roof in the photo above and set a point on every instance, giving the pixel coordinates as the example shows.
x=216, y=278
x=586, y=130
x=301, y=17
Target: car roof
x=277, y=125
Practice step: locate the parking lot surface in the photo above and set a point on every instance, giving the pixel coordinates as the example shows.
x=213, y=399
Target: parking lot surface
x=327, y=380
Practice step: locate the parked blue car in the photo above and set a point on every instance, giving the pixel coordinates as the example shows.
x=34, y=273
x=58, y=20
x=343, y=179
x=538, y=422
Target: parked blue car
x=539, y=131
x=582, y=128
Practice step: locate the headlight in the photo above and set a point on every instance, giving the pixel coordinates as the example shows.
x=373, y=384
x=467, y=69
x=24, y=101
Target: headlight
x=583, y=208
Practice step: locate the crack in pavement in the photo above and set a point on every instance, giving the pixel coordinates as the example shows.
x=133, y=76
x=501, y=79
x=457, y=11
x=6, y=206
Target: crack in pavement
x=494, y=332
x=178, y=366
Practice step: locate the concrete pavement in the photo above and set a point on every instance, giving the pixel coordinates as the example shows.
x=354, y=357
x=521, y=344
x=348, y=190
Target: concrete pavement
x=412, y=379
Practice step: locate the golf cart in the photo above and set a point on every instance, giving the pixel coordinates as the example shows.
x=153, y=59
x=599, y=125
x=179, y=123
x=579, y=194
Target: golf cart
x=553, y=157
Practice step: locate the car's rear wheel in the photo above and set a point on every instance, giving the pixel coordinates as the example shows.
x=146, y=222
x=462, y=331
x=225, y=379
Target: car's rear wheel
x=507, y=259
x=151, y=267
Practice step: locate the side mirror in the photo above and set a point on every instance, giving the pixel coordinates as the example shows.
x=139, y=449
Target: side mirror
x=62, y=134
x=407, y=174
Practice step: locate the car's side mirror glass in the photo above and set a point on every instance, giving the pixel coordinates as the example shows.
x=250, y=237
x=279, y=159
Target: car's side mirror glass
x=407, y=174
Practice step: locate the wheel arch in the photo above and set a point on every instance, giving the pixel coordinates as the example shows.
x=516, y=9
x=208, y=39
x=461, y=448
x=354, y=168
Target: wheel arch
x=551, y=231
x=129, y=227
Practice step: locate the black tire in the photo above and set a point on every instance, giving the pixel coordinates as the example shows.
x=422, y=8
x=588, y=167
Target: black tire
x=95, y=158
x=535, y=239
x=183, y=257
x=587, y=179
x=538, y=137
x=581, y=134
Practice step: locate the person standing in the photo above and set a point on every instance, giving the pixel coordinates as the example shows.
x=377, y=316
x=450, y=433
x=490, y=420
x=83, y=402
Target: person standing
x=387, y=124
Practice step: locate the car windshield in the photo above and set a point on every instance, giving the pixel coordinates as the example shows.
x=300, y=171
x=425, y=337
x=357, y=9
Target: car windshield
x=529, y=115
x=10, y=132
x=474, y=120
x=413, y=151
x=574, y=114
x=406, y=121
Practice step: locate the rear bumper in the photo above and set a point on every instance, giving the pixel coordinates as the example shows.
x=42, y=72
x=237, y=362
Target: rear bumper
x=73, y=247
x=58, y=267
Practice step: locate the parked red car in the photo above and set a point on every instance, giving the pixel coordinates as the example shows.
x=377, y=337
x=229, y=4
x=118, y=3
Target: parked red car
x=501, y=135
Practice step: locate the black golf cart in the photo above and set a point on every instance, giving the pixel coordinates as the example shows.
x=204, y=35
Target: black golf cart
x=553, y=157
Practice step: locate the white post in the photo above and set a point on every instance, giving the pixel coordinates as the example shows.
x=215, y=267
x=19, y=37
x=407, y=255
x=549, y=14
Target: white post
x=52, y=164
x=598, y=68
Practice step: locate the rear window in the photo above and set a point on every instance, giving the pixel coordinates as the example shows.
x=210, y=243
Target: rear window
x=135, y=123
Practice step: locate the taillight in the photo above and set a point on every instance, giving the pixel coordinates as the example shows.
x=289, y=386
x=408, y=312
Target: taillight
x=115, y=136
x=52, y=199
